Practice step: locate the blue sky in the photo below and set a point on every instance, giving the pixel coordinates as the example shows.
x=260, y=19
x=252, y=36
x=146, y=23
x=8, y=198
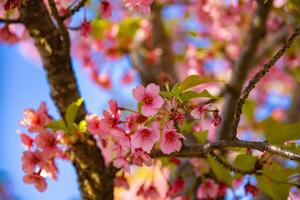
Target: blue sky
x=24, y=85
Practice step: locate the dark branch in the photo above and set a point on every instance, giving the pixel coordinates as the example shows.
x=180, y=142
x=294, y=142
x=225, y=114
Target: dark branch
x=203, y=150
x=243, y=65
x=10, y=21
x=72, y=11
x=252, y=83
x=95, y=179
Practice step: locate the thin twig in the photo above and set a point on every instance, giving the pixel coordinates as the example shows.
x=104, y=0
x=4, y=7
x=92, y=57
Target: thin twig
x=73, y=10
x=229, y=166
x=252, y=83
x=10, y=21
x=203, y=150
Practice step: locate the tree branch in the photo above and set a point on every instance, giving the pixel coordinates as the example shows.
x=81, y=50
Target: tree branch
x=203, y=150
x=72, y=11
x=95, y=179
x=256, y=79
x=243, y=65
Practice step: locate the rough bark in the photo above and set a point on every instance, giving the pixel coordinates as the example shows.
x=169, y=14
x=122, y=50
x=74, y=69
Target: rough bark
x=243, y=65
x=96, y=181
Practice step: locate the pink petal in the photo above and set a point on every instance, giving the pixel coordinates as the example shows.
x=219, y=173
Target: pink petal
x=148, y=110
x=152, y=89
x=158, y=101
x=138, y=93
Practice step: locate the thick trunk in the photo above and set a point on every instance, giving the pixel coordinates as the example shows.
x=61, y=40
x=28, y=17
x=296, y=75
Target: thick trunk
x=95, y=180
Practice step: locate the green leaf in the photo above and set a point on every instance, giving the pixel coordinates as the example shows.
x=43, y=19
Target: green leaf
x=57, y=125
x=192, y=81
x=186, y=96
x=222, y=174
x=249, y=109
x=277, y=191
x=245, y=162
x=278, y=133
x=72, y=111
x=201, y=136
x=166, y=94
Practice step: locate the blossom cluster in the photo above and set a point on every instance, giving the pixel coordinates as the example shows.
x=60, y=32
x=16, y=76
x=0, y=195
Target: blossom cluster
x=155, y=125
x=132, y=140
x=39, y=157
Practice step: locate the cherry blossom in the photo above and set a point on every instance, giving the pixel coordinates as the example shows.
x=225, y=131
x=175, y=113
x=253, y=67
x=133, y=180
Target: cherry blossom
x=150, y=98
x=208, y=189
x=122, y=163
x=8, y=37
x=85, y=28
x=36, y=120
x=31, y=160
x=139, y=157
x=105, y=9
x=175, y=188
x=140, y=6
x=198, y=112
x=47, y=141
x=145, y=138
x=171, y=140
x=38, y=181
x=27, y=141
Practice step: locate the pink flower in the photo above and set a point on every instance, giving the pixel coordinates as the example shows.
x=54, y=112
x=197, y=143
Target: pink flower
x=150, y=98
x=198, y=112
x=122, y=139
x=31, y=160
x=27, y=141
x=47, y=141
x=140, y=6
x=145, y=138
x=139, y=157
x=175, y=188
x=133, y=120
x=171, y=140
x=38, y=181
x=122, y=163
x=36, y=120
x=8, y=37
x=105, y=9
x=93, y=124
x=208, y=189
x=112, y=116
x=85, y=28
x=121, y=181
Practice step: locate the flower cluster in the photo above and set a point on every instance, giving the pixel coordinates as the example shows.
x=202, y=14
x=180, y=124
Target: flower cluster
x=156, y=125
x=131, y=141
x=39, y=157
